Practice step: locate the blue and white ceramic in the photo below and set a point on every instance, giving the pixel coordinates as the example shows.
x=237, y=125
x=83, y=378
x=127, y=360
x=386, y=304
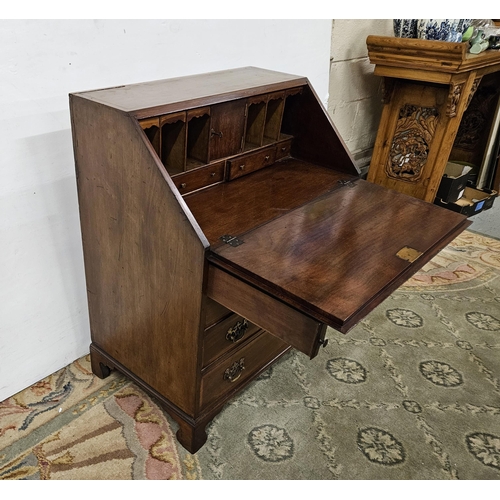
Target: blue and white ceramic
x=449, y=30
x=405, y=28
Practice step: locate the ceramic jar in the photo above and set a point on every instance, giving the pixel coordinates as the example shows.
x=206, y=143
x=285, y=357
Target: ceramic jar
x=405, y=28
x=449, y=30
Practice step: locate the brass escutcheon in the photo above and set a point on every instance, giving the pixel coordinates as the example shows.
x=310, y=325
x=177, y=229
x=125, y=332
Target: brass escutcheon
x=409, y=254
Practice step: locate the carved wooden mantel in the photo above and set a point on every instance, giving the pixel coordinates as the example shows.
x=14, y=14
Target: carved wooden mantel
x=427, y=86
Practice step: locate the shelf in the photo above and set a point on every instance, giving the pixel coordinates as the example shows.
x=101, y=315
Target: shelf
x=191, y=139
x=427, y=60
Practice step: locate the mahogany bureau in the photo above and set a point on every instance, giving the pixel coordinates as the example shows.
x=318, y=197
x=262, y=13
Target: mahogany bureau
x=224, y=222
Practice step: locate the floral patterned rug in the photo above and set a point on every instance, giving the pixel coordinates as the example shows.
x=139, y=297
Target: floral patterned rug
x=413, y=392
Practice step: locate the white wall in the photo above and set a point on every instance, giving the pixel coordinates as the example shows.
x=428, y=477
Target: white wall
x=43, y=310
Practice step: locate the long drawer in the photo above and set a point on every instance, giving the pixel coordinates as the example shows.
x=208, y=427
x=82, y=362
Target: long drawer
x=235, y=370
x=226, y=335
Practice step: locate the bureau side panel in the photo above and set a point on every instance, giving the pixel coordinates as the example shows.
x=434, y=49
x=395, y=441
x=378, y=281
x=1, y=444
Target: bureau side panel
x=143, y=258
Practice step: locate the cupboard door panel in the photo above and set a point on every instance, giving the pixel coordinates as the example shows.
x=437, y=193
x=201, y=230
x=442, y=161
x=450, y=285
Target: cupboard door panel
x=227, y=128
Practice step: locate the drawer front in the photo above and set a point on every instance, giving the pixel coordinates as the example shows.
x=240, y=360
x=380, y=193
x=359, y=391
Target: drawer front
x=235, y=370
x=294, y=327
x=283, y=149
x=250, y=163
x=226, y=335
x=199, y=178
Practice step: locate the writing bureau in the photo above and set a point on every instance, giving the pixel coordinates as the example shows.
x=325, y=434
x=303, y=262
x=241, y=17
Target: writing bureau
x=223, y=223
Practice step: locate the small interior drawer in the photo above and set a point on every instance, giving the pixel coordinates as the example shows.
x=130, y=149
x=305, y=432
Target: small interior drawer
x=233, y=371
x=199, y=178
x=226, y=335
x=283, y=149
x=245, y=164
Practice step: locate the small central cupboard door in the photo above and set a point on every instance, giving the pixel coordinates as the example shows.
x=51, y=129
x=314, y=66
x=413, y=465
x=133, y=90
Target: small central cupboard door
x=227, y=128
x=335, y=258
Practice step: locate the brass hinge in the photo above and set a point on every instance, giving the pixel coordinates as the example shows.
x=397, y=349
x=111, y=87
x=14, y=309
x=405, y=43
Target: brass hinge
x=231, y=240
x=347, y=183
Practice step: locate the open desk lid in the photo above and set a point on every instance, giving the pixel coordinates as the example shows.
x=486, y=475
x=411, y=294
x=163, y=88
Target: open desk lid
x=339, y=256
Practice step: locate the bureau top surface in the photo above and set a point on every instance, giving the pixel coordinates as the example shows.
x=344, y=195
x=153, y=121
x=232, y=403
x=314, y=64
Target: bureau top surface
x=195, y=89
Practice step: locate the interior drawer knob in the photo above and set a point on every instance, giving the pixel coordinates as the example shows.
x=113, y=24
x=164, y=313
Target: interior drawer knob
x=233, y=373
x=237, y=331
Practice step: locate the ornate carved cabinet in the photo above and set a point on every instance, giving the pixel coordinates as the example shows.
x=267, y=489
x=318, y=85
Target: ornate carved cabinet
x=428, y=86
x=224, y=222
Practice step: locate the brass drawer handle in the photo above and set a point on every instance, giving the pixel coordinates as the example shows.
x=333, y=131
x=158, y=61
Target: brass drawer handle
x=267, y=158
x=233, y=373
x=283, y=149
x=212, y=174
x=242, y=167
x=183, y=185
x=213, y=132
x=237, y=331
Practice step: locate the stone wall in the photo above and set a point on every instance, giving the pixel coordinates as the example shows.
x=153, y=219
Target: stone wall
x=354, y=100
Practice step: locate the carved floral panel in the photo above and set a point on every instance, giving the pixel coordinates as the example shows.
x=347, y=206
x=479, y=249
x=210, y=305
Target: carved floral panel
x=413, y=136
